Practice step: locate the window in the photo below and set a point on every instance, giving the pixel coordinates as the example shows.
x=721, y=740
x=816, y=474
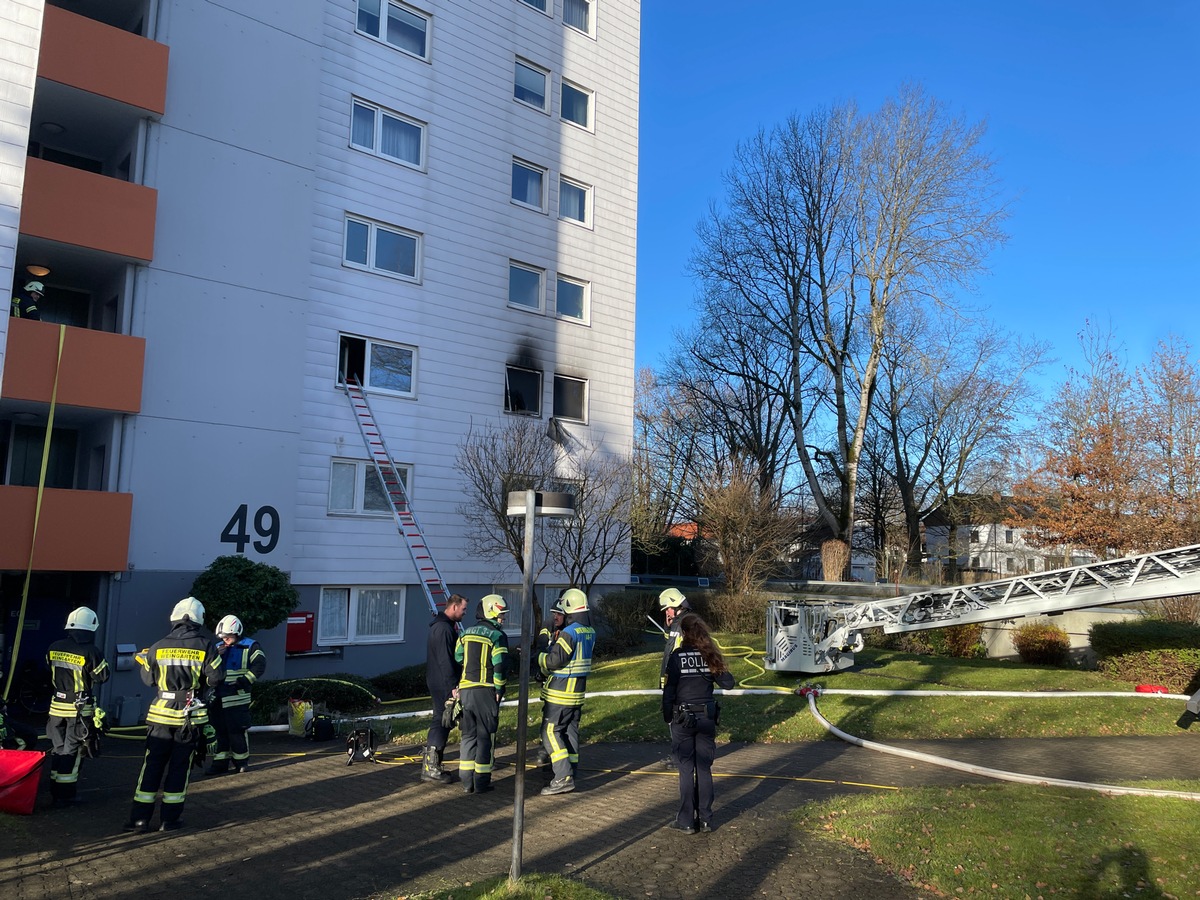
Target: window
x=387, y=134
x=361, y=615
x=974, y=562
x=405, y=29
x=570, y=398
x=571, y=298
x=576, y=105
x=522, y=391
x=527, y=185
x=573, y=200
x=536, y=4
x=524, y=286
x=355, y=488
x=578, y=14
x=1008, y=536
x=974, y=535
x=381, y=248
x=1010, y=564
x=529, y=84
x=378, y=366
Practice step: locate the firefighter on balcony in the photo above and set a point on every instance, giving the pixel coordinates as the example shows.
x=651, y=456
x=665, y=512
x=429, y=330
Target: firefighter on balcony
x=182, y=666
x=245, y=663
x=25, y=303
x=566, y=664
x=483, y=652
x=76, y=665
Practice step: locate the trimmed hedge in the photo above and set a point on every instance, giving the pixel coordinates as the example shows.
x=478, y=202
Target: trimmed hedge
x=401, y=683
x=1111, y=639
x=1041, y=643
x=339, y=693
x=1177, y=670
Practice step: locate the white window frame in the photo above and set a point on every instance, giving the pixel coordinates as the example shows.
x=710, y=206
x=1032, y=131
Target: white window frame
x=541, y=389
x=327, y=635
x=377, y=137
x=587, y=298
x=591, y=99
x=368, y=344
x=546, y=8
x=541, y=290
x=384, y=6
x=590, y=31
x=363, y=469
x=547, y=84
x=583, y=419
x=586, y=221
x=542, y=172
x=374, y=228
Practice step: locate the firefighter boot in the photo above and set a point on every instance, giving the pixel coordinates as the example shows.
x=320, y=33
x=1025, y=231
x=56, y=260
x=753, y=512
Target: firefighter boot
x=483, y=783
x=559, y=786
x=431, y=767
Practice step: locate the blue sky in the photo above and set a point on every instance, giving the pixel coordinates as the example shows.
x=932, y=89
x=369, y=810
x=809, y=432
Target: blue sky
x=1093, y=114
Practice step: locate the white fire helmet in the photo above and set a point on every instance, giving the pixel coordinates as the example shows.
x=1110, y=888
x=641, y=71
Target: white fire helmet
x=229, y=625
x=83, y=619
x=494, y=606
x=188, y=608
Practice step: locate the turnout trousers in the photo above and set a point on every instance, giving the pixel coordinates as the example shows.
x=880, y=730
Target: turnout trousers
x=232, y=725
x=438, y=733
x=67, y=737
x=560, y=737
x=694, y=749
x=480, y=718
x=167, y=765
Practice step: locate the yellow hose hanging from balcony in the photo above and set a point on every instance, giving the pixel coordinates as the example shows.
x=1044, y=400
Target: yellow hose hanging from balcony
x=37, y=512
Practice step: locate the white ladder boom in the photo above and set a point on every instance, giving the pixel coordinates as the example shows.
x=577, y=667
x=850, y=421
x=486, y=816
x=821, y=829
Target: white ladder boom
x=815, y=636
x=428, y=574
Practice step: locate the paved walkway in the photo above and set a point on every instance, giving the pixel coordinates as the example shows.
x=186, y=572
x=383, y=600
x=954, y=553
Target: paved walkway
x=303, y=824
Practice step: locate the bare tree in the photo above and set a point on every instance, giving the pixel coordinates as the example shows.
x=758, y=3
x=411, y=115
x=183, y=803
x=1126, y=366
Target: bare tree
x=830, y=225
x=664, y=453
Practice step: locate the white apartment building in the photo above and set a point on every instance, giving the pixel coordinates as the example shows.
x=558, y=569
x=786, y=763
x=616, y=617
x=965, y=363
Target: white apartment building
x=239, y=203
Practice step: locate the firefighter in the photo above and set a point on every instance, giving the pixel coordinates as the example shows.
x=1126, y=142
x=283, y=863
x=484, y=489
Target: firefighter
x=689, y=708
x=76, y=664
x=566, y=665
x=483, y=652
x=182, y=666
x=442, y=674
x=25, y=304
x=545, y=638
x=245, y=663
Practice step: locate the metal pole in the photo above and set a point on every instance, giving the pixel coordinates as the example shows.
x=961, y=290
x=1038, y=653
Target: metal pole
x=514, y=873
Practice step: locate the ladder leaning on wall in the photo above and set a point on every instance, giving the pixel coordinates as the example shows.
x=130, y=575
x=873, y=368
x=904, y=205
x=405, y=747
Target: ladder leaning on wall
x=428, y=573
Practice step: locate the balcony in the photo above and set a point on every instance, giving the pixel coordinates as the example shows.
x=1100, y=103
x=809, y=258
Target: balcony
x=82, y=53
x=83, y=209
x=99, y=370
x=78, y=531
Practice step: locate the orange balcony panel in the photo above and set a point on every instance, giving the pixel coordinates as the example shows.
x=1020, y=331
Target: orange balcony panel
x=78, y=531
x=99, y=370
x=97, y=58
x=75, y=207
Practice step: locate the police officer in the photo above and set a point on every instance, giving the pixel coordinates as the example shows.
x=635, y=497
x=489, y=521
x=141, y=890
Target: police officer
x=245, y=663
x=182, y=666
x=25, y=304
x=76, y=664
x=442, y=674
x=483, y=652
x=688, y=705
x=566, y=664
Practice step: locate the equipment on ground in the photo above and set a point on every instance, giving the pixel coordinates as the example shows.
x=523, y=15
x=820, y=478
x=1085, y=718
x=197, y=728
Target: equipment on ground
x=360, y=746
x=428, y=573
x=823, y=636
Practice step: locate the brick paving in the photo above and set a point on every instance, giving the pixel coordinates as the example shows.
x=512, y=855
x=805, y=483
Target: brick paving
x=303, y=824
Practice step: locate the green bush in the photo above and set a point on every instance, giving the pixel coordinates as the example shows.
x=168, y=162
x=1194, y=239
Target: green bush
x=959, y=641
x=1111, y=639
x=401, y=683
x=1041, y=643
x=1177, y=670
x=738, y=613
x=620, y=619
x=339, y=694
x=918, y=642
x=258, y=594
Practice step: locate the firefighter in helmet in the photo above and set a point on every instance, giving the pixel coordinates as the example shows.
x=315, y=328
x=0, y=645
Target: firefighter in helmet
x=182, y=667
x=566, y=665
x=545, y=638
x=245, y=663
x=673, y=605
x=76, y=664
x=25, y=304
x=483, y=652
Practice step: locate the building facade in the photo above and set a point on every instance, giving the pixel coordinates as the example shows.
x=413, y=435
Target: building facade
x=241, y=207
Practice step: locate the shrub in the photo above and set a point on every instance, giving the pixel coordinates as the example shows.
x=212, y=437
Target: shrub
x=621, y=620
x=340, y=693
x=400, y=683
x=739, y=613
x=917, y=642
x=258, y=594
x=1111, y=639
x=1041, y=643
x=960, y=641
x=1177, y=670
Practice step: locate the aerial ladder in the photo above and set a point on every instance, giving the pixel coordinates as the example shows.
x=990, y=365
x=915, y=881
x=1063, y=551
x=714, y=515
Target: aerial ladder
x=428, y=573
x=823, y=636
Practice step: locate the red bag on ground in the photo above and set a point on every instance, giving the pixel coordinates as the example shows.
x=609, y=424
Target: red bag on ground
x=20, y=775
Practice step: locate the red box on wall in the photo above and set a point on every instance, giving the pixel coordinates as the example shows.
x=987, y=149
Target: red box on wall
x=300, y=632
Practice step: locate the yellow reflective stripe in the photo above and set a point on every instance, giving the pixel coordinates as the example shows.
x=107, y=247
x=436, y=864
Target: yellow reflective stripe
x=175, y=797
x=144, y=796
